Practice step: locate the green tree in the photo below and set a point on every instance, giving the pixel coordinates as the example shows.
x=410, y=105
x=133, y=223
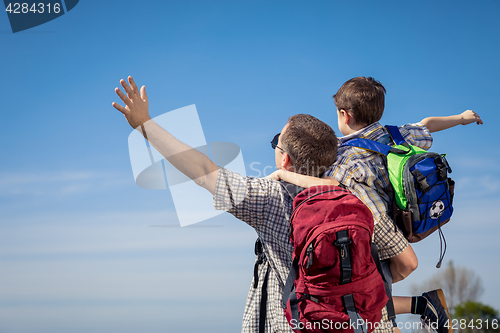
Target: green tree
x=475, y=317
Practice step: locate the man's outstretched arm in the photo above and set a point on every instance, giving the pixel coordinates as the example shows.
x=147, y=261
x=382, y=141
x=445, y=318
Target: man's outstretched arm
x=189, y=161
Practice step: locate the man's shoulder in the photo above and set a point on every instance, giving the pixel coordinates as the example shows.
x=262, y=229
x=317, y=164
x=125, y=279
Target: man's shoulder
x=250, y=187
x=259, y=202
x=227, y=177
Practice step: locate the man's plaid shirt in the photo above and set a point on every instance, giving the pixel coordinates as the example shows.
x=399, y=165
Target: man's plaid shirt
x=265, y=206
x=365, y=174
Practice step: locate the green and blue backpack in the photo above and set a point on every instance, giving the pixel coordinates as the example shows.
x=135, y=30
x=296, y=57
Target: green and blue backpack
x=423, y=192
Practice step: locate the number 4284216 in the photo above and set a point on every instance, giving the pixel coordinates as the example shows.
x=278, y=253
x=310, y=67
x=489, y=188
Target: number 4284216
x=35, y=8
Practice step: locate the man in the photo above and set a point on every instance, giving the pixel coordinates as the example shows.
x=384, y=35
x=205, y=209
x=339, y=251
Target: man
x=305, y=145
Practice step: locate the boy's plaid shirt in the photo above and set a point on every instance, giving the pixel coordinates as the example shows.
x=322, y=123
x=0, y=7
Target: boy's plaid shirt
x=365, y=174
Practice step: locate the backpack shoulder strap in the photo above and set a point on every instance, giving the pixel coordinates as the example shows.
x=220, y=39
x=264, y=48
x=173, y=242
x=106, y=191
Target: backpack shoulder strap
x=391, y=313
x=395, y=134
x=291, y=189
x=356, y=321
x=374, y=146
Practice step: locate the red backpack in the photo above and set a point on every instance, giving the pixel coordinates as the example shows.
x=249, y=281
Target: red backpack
x=334, y=284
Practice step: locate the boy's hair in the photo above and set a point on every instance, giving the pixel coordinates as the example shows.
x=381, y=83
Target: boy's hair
x=310, y=143
x=363, y=98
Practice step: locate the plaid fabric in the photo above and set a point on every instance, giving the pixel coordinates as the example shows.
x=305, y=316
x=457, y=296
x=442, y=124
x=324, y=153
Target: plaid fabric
x=263, y=205
x=389, y=239
x=266, y=206
x=365, y=174
x=385, y=326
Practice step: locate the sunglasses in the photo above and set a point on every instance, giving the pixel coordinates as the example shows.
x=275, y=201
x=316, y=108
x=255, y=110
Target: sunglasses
x=274, y=142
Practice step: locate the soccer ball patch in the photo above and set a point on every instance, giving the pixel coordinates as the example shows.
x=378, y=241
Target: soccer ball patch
x=437, y=209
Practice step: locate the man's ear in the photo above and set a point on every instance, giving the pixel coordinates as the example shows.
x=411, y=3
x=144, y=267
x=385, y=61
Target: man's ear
x=285, y=161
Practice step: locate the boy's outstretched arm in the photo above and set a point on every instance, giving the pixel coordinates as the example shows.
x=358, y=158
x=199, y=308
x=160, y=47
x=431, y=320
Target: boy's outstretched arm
x=435, y=124
x=301, y=180
x=189, y=161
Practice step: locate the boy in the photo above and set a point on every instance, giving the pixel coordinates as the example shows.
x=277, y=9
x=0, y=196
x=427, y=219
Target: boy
x=360, y=104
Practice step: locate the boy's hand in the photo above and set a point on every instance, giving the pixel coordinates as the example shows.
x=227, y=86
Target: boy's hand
x=136, y=109
x=275, y=175
x=469, y=117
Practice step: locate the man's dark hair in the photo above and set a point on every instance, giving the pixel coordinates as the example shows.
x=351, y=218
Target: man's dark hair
x=363, y=98
x=310, y=143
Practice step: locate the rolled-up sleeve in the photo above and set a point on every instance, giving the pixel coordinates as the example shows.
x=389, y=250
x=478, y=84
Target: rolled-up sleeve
x=417, y=135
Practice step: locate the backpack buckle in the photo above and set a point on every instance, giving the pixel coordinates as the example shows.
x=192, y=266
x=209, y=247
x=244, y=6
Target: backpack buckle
x=421, y=181
x=343, y=243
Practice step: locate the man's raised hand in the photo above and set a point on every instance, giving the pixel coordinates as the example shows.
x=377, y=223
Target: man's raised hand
x=136, y=109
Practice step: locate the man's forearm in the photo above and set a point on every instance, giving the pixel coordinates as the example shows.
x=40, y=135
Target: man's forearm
x=194, y=164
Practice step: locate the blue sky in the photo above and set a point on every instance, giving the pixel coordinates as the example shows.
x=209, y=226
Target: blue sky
x=82, y=248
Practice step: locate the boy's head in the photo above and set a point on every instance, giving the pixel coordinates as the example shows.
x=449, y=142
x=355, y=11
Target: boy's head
x=363, y=99
x=308, y=146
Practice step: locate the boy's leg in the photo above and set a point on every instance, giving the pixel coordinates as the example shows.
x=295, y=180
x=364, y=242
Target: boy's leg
x=403, y=264
x=402, y=304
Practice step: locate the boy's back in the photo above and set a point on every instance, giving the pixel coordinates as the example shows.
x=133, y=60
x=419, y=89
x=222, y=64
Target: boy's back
x=365, y=174
x=360, y=104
